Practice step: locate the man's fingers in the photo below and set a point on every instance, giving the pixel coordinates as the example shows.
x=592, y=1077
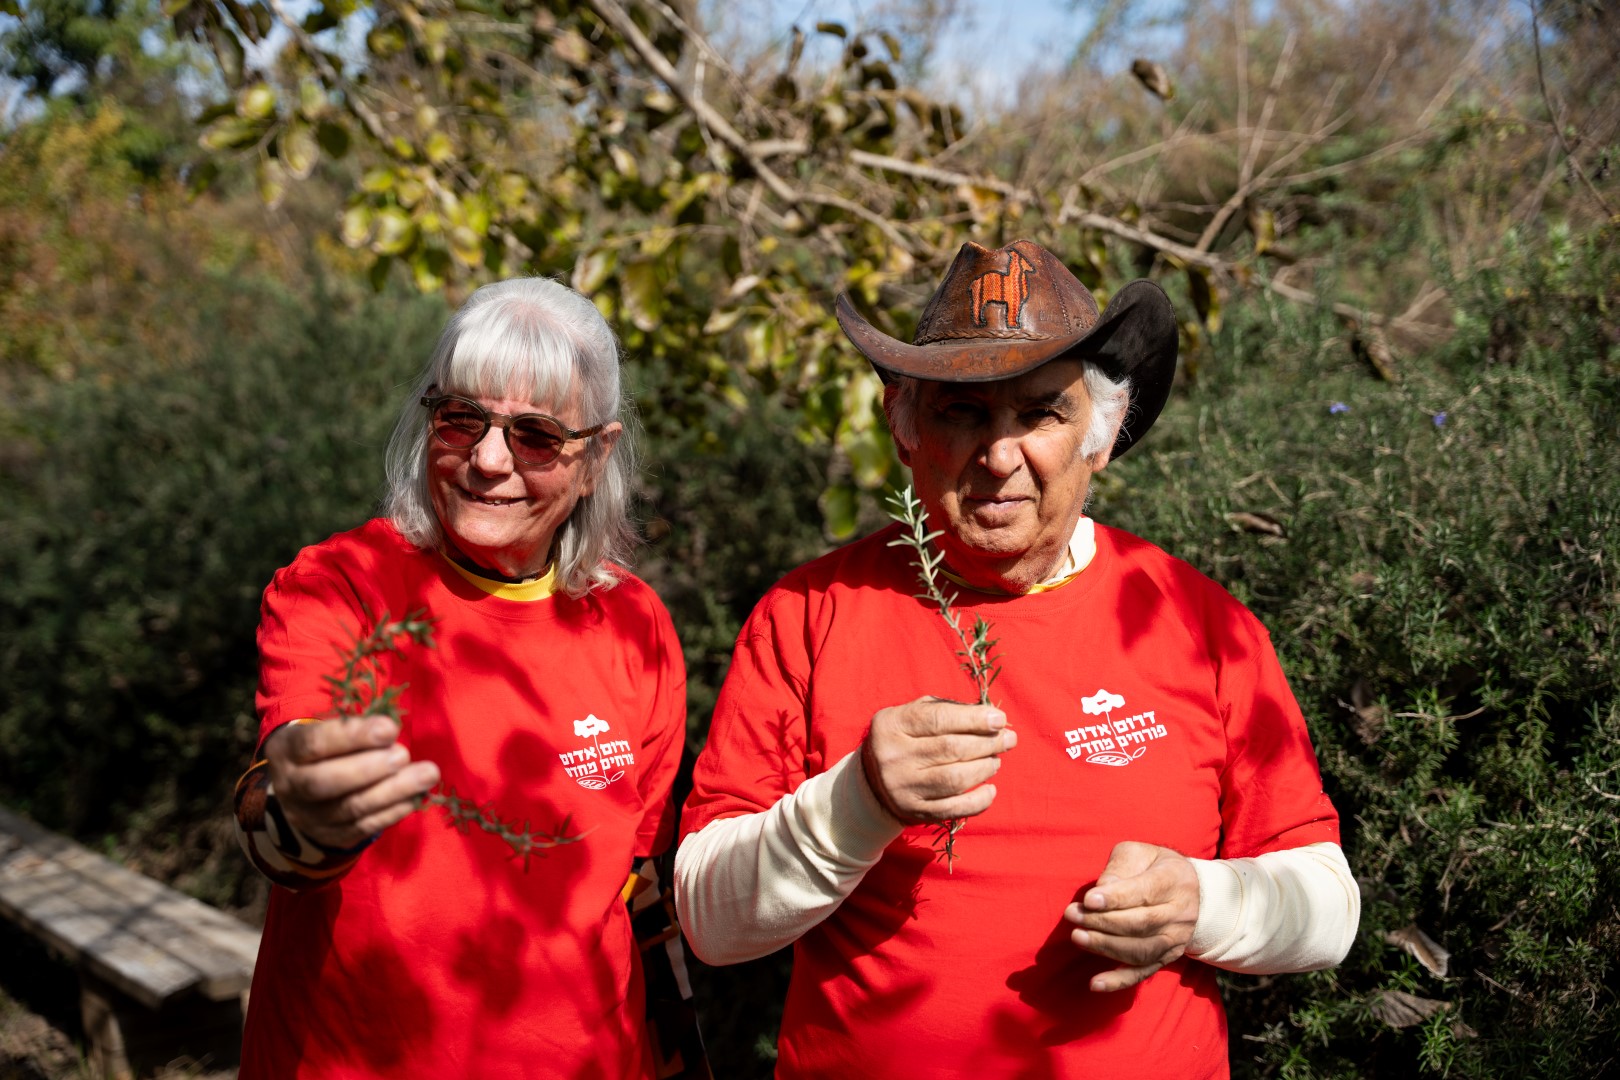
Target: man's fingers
x=302, y=744
x=1159, y=949
x=948, y=749
x=1122, y=978
x=971, y=804
x=1121, y=893
x=952, y=780
x=931, y=716
x=1143, y=921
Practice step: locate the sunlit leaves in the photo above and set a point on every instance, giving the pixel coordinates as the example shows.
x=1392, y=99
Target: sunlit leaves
x=298, y=150
x=257, y=102
x=356, y=227
x=396, y=232
x=642, y=294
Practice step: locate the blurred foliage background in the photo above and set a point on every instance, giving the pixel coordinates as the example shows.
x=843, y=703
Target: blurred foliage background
x=230, y=229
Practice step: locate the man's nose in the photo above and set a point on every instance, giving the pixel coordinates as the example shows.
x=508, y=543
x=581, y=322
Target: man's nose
x=1003, y=452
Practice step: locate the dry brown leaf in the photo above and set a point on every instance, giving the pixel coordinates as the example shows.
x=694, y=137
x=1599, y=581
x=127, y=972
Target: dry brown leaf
x=1399, y=1009
x=1429, y=952
x=1371, y=345
x=1370, y=716
x=1363, y=583
x=1154, y=77
x=1256, y=523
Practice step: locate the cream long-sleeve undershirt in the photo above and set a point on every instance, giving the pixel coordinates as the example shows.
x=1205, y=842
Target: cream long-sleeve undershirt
x=746, y=886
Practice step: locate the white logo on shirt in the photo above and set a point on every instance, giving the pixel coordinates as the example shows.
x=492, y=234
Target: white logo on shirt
x=594, y=766
x=1112, y=742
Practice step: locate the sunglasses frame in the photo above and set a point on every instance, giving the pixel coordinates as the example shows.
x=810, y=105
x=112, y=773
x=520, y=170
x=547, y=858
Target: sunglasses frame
x=432, y=400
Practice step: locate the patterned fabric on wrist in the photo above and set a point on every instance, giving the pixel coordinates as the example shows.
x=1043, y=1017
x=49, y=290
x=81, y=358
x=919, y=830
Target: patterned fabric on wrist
x=275, y=848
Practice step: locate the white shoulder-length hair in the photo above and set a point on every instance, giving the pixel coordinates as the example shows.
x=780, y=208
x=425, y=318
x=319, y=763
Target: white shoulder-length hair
x=537, y=340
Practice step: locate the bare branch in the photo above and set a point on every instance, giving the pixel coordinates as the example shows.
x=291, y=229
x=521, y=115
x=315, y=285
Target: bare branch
x=1557, y=124
x=616, y=17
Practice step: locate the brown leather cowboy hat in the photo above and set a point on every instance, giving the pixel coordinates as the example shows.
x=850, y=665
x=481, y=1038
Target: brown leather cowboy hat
x=1001, y=313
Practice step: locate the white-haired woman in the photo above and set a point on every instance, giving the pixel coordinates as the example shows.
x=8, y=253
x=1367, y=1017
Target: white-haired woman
x=553, y=696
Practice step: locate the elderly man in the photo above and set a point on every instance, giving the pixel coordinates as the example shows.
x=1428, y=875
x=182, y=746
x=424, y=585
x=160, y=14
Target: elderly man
x=1141, y=801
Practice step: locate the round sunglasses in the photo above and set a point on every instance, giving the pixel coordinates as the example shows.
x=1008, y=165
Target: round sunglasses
x=532, y=438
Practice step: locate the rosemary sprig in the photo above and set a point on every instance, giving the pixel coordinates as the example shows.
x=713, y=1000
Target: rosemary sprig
x=359, y=691
x=978, y=659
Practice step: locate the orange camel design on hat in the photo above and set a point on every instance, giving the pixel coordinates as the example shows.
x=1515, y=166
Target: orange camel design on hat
x=1008, y=287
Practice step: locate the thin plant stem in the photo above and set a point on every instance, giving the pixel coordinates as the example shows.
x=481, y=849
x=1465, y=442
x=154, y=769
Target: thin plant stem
x=359, y=691
x=976, y=654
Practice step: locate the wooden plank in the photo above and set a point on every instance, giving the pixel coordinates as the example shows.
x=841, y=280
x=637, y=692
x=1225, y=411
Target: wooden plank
x=141, y=936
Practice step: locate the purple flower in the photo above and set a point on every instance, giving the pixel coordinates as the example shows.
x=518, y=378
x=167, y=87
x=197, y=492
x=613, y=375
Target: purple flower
x=1338, y=407
x=1439, y=419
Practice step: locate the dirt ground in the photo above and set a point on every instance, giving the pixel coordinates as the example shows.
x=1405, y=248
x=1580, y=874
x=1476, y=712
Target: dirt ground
x=40, y=1035
x=32, y=1048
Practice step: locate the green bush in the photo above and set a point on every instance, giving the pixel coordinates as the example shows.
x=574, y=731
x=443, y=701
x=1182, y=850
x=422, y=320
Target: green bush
x=145, y=515
x=1443, y=595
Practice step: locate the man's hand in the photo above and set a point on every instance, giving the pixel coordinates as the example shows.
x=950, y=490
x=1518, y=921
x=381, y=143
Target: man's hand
x=928, y=760
x=1141, y=912
x=342, y=781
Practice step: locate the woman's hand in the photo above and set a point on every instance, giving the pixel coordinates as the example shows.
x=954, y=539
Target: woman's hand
x=340, y=782
x=1141, y=912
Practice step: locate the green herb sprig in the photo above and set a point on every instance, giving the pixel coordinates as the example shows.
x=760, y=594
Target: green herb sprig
x=360, y=691
x=978, y=659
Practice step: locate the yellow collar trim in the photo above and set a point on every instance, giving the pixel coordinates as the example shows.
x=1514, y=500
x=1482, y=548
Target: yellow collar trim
x=539, y=588
x=1081, y=551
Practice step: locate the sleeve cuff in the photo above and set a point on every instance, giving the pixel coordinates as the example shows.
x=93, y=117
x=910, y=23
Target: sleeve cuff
x=1220, y=903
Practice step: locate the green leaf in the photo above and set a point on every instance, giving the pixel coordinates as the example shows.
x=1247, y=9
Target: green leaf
x=298, y=150
x=378, y=181
x=357, y=225
x=835, y=29
x=592, y=271
x=624, y=163
x=203, y=177
x=466, y=247
x=643, y=294
x=1206, y=299
x=840, y=509
x=396, y=232
x=377, y=273
x=272, y=182
x=228, y=51
x=257, y=102
x=231, y=133
x=313, y=101
x=333, y=137
x=430, y=267
x=439, y=148
x=385, y=41
x=720, y=320
x=869, y=457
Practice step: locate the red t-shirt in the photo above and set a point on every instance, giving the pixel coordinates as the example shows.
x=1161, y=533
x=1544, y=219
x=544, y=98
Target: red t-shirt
x=438, y=955
x=1149, y=706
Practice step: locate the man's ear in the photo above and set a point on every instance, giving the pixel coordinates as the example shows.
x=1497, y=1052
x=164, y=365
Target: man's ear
x=903, y=451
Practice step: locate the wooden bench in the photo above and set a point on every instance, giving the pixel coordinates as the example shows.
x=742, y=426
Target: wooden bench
x=161, y=975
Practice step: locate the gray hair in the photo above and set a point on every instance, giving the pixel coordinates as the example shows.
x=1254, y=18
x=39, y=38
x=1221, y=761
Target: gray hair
x=1110, y=398
x=532, y=339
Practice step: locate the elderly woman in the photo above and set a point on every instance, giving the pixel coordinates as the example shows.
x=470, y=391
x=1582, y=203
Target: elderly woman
x=552, y=697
